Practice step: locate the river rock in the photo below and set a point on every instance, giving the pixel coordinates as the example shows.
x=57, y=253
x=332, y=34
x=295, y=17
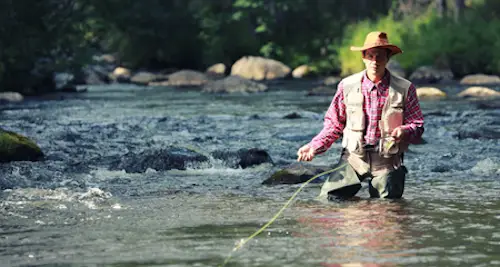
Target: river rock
x=218, y=69
x=159, y=159
x=184, y=78
x=477, y=91
x=322, y=90
x=430, y=92
x=11, y=97
x=476, y=79
x=327, y=88
x=64, y=80
x=479, y=133
x=243, y=158
x=430, y=75
x=105, y=59
x=295, y=173
x=144, y=77
x=489, y=104
x=301, y=71
x=395, y=67
x=234, y=84
x=259, y=68
x=16, y=147
x=93, y=75
x=121, y=75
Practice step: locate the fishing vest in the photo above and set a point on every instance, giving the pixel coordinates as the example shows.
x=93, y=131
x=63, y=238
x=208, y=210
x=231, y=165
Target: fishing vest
x=392, y=116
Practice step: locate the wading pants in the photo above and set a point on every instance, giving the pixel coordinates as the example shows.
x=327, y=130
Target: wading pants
x=386, y=176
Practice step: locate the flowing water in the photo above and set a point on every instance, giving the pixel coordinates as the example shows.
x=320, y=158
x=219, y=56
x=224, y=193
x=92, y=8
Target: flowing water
x=73, y=210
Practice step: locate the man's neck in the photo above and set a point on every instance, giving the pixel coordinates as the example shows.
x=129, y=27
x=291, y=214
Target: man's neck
x=375, y=78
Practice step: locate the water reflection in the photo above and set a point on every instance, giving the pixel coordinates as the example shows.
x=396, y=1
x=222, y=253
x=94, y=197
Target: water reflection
x=359, y=232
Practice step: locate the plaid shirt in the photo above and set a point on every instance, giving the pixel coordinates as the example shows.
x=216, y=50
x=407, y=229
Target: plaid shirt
x=375, y=96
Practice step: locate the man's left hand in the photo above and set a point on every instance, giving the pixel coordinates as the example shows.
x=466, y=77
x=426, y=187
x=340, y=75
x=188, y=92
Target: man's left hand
x=398, y=134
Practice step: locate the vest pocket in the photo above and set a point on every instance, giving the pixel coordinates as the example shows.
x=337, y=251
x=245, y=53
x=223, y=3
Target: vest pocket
x=393, y=119
x=356, y=119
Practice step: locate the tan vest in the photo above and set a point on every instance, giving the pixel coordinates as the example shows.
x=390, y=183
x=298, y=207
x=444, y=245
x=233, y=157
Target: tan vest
x=392, y=115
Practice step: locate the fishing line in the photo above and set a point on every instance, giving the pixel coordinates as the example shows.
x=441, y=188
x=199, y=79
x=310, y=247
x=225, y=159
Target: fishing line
x=244, y=241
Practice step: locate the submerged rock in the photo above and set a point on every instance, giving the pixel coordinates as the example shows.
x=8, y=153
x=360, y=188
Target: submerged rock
x=322, y=90
x=487, y=105
x=243, y=158
x=478, y=91
x=183, y=78
x=15, y=147
x=481, y=133
x=295, y=173
x=159, y=159
x=234, y=84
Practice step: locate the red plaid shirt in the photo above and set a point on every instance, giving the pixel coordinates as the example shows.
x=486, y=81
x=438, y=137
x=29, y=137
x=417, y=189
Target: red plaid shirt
x=375, y=96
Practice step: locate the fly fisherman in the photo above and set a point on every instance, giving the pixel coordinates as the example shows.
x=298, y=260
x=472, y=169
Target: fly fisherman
x=378, y=115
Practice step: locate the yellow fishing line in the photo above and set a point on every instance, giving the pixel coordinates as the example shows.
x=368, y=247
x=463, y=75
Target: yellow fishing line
x=244, y=241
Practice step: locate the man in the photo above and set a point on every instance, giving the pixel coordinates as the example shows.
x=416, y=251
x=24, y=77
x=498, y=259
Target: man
x=377, y=114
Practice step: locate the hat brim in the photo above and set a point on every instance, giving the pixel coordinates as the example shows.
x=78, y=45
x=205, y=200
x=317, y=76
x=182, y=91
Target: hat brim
x=394, y=49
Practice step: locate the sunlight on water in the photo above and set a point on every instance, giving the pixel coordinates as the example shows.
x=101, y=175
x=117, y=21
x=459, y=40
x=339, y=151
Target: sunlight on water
x=75, y=210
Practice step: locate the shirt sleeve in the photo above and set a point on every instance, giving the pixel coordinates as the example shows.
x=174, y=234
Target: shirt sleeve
x=333, y=125
x=413, y=123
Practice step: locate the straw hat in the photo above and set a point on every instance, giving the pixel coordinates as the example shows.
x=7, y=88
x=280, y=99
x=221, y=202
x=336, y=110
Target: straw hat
x=378, y=39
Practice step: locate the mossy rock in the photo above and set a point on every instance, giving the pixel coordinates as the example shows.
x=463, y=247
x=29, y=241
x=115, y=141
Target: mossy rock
x=15, y=147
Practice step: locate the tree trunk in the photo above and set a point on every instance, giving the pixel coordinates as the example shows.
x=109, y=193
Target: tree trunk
x=441, y=7
x=459, y=7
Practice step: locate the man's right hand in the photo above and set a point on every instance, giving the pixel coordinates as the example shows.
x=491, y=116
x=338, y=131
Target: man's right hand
x=305, y=153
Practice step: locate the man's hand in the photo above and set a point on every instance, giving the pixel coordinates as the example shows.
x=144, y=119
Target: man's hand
x=399, y=134
x=305, y=153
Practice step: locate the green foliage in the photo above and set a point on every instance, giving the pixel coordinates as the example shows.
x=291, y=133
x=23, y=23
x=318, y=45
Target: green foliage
x=469, y=45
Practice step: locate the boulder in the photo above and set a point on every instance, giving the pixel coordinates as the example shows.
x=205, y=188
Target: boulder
x=430, y=92
x=301, y=71
x=184, y=78
x=121, y=75
x=11, y=97
x=243, y=158
x=16, y=147
x=64, y=80
x=475, y=79
x=395, y=68
x=234, y=84
x=218, y=69
x=295, y=173
x=259, y=68
x=159, y=159
x=480, y=92
x=105, y=59
x=93, y=75
x=430, y=75
x=144, y=77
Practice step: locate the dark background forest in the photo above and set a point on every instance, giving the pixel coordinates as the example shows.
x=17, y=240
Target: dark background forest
x=39, y=38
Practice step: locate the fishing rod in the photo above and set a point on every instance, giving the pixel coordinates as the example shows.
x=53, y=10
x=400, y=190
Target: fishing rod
x=243, y=241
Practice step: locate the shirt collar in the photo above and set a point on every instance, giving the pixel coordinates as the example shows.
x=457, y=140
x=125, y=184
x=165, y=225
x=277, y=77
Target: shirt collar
x=381, y=85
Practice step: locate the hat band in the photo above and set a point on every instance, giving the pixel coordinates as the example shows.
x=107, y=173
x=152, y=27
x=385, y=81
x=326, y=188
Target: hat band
x=377, y=43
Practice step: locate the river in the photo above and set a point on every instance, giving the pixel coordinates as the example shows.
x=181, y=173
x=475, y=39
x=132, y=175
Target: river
x=73, y=210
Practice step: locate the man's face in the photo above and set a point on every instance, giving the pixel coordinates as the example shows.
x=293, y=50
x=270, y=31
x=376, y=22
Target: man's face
x=375, y=60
